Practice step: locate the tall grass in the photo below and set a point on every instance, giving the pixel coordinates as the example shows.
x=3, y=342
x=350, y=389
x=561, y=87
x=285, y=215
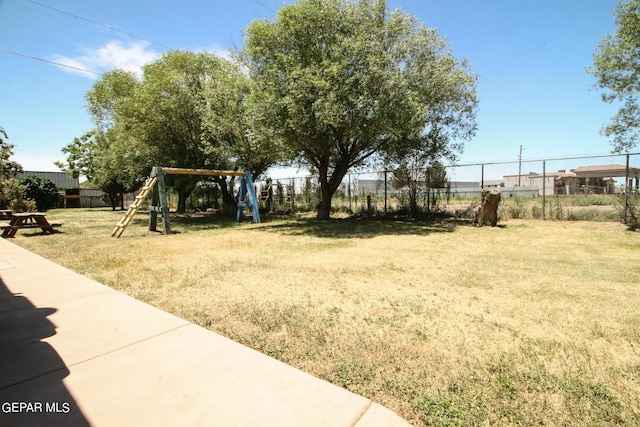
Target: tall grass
x=571, y=208
x=530, y=323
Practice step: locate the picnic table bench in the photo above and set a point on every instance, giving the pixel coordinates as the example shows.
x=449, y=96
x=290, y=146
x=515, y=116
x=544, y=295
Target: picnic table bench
x=28, y=220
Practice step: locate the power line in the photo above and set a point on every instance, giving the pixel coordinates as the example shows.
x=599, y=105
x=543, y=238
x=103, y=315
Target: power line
x=256, y=1
x=506, y=162
x=50, y=62
x=99, y=24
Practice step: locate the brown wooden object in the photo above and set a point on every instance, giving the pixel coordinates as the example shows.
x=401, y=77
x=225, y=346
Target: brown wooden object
x=487, y=213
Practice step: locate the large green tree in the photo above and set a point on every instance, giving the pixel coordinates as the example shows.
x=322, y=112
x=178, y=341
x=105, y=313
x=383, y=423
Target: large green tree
x=235, y=138
x=343, y=82
x=114, y=155
x=616, y=65
x=188, y=110
x=95, y=157
x=192, y=107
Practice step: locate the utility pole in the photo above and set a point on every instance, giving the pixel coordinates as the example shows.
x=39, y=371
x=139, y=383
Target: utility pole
x=519, y=165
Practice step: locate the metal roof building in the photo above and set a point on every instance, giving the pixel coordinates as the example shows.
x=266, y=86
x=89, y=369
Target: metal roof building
x=60, y=179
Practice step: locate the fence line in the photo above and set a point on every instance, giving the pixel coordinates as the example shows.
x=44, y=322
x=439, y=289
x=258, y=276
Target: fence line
x=573, y=182
x=379, y=190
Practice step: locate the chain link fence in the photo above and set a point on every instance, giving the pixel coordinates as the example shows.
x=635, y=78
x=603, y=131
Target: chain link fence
x=586, y=187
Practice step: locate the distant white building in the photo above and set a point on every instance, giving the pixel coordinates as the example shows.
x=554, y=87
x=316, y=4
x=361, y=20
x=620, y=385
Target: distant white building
x=544, y=183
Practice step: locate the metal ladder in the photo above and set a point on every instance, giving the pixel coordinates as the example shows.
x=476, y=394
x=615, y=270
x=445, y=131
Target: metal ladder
x=144, y=193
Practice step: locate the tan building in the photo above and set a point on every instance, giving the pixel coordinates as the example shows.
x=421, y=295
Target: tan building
x=544, y=183
x=602, y=177
x=585, y=179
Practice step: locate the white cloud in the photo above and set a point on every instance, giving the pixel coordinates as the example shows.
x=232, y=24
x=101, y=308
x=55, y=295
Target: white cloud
x=125, y=56
x=112, y=55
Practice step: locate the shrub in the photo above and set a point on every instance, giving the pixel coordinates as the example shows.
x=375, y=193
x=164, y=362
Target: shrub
x=41, y=190
x=514, y=207
x=633, y=211
x=16, y=193
x=556, y=210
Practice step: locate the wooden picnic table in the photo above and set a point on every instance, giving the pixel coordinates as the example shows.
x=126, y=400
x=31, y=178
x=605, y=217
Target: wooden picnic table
x=28, y=220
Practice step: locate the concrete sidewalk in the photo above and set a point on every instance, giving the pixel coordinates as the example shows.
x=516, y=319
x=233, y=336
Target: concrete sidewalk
x=74, y=352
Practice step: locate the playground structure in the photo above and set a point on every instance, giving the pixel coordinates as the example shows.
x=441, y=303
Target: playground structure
x=277, y=197
x=156, y=187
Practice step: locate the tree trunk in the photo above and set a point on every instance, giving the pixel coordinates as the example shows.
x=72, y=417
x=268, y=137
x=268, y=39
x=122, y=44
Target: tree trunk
x=182, y=201
x=487, y=213
x=113, y=200
x=324, y=207
x=328, y=186
x=184, y=187
x=229, y=202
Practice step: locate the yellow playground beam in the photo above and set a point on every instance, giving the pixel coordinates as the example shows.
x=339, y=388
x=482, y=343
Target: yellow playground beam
x=202, y=172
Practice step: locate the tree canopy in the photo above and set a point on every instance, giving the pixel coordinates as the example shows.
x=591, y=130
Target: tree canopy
x=97, y=158
x=616, y=65
x=344, y=82
x=188, y=110
x=42, y=191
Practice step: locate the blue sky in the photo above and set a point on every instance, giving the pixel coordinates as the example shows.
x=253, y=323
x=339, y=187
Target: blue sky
x=530, y=57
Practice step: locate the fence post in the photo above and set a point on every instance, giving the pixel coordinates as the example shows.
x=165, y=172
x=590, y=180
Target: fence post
x=292, y=184
x=349, y=194
x=544, y=186
x=385, y=192
x=626, y=190
x=482, y=177
x=428, y=180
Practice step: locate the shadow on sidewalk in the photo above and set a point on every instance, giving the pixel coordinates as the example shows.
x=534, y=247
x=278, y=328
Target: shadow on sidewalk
x=32, y=391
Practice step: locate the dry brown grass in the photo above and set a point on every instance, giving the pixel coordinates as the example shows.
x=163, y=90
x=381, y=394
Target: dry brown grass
x=447, y=324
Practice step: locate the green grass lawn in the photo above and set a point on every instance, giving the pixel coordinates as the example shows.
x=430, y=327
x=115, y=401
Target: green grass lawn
x=532, y=322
